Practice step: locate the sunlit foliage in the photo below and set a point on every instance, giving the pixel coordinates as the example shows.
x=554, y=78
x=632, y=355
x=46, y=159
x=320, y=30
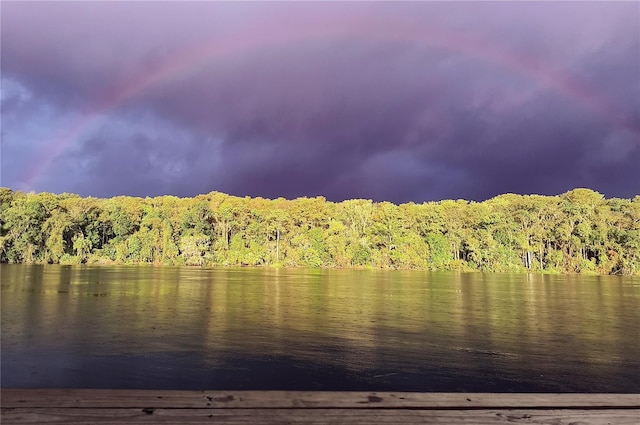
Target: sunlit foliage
x=577, y=232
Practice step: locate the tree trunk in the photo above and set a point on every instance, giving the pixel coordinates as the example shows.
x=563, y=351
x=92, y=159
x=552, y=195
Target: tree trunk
x=541, y=265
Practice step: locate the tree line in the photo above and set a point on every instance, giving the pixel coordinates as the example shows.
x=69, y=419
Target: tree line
x=577, y=232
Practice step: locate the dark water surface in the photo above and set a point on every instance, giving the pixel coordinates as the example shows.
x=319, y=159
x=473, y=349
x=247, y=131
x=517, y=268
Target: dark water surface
x=191, y=328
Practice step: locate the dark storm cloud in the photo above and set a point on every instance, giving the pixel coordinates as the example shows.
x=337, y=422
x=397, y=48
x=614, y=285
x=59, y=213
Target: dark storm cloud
x=411, y=101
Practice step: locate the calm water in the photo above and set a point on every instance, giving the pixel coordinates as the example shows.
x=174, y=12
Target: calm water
x=191, y=328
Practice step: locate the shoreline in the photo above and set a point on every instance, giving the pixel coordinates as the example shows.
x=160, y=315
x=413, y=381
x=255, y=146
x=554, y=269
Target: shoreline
x=278, y=267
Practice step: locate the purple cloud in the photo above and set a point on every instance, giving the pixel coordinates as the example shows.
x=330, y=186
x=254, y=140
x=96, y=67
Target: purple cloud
x=400, y=102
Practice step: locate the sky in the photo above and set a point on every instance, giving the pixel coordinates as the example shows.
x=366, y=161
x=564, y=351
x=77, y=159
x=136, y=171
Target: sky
x=390, y=101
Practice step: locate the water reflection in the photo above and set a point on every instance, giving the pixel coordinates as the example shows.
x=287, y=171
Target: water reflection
x=189, y=328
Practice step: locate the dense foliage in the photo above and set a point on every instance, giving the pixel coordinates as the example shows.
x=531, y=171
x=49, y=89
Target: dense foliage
x=579, y=231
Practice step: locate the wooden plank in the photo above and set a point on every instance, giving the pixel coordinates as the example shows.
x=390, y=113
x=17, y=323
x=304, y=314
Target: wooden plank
x=300, y=399
x=76, y=416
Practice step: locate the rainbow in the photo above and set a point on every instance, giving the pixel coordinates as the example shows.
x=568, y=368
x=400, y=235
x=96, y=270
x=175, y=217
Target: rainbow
x=265, y=37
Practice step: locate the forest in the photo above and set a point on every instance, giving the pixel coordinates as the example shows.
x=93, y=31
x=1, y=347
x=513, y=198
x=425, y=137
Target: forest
x=576, y=232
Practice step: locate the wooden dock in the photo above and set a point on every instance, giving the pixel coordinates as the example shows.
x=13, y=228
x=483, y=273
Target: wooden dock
x=71, y=406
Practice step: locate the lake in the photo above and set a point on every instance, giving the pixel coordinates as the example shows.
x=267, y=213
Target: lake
x=296, y=329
